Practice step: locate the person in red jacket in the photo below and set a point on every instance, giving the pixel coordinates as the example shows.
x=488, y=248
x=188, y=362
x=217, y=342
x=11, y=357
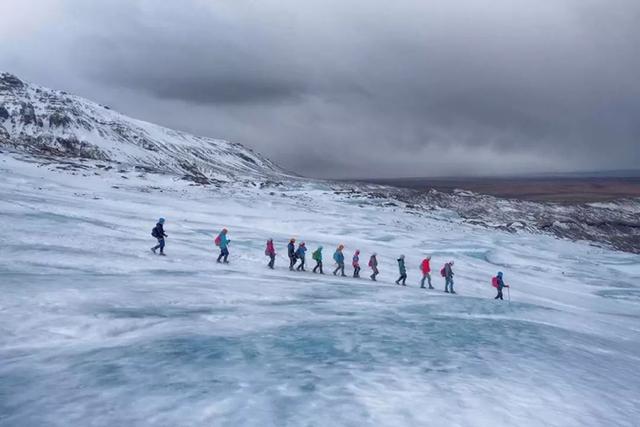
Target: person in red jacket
x=270, y=251
x=425, y=267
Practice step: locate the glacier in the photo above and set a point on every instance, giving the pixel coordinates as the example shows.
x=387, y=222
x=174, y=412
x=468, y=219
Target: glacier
x=96, y=330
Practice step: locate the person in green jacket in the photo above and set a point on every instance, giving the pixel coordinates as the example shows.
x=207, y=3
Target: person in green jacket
x=317, y=257
x=403, y=271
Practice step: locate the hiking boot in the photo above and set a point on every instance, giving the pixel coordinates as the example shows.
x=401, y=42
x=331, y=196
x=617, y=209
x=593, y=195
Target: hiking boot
x=153, y=250
x=446, y=291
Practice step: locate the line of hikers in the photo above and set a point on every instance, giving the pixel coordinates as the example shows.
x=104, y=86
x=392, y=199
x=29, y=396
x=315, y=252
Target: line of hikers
x=297, y=261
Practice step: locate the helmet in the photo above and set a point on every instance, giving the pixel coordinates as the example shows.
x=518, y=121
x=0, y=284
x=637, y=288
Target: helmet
x=161, y=220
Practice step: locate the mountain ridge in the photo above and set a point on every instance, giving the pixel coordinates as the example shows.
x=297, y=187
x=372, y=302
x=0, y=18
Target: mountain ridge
x=51, y=123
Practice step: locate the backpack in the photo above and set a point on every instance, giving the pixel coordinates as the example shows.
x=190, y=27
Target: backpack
x=217, y=241
x=316, y=255
x=154, y=232
x=443, y=271
x=494, y=282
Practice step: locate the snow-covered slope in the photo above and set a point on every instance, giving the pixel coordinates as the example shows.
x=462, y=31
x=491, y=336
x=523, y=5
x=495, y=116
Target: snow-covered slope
x=47, y=122
x=52, y=125
x=95, y=330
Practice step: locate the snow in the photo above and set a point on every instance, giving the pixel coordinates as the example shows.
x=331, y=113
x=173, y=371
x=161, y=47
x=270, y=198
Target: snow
x=97, y=331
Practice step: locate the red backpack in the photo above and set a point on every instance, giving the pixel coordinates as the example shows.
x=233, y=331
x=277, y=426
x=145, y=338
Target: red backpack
x=443, y=271
x=494, y=282
x=217, y=241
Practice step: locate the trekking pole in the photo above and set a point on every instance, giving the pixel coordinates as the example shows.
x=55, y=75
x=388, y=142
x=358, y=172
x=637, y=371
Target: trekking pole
x=509, y=294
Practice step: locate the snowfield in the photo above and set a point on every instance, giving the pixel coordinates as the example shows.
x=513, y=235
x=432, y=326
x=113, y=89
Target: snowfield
x=97, y=331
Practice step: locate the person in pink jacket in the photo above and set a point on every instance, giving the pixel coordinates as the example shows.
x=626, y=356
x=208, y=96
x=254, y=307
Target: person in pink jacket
x=356, y=264
x=270, y=251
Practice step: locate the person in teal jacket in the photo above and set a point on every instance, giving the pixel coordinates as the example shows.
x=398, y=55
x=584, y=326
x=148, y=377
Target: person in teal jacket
x=223, y=243
x=317, y=257
x=338, y=257
x=403, y=271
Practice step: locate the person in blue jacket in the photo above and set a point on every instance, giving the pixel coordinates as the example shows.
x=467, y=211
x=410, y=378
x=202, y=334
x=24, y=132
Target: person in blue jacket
x=223, y=243
x=159, y=234
x=300, y=254
x=500, y=285
x=338, y=257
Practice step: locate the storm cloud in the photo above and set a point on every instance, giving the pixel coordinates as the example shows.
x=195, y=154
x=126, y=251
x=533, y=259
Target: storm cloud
x=356, y=88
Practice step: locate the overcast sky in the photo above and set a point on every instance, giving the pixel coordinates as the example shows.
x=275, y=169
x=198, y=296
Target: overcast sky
x=356, y=88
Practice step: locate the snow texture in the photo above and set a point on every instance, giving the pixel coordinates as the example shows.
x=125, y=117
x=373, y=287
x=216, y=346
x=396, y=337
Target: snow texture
x=98, y=331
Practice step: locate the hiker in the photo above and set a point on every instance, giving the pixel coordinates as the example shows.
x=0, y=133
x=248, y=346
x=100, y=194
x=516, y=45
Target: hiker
x=425, y=267
x=356, y=264
x=499, y=284
x=158, y=233
x=338, y=257
x=270, y=251
x=300, y=252
x=223, y=243
x=447, y=273
x=373, y=264
x=291, y=250
x=403, y=271
x=317, y=257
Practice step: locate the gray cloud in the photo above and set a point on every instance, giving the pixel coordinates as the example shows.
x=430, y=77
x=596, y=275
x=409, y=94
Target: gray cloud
x=334, y=88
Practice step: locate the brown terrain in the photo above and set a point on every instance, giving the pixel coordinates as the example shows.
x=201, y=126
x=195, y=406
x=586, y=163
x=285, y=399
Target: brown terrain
x=561, y=189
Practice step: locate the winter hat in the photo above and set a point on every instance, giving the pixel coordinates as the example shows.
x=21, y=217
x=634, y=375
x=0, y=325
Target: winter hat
x=161, y=220
x=302, y=244
x=499, y=273
x=224, y=230
x=401, y=256
x=340, y=246
x=374, y=254
x=451, y=262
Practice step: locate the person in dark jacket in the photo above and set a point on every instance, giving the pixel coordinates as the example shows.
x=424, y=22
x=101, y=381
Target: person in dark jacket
x=403, y=271
x=373, y=264
x=270, y=251
x=500, y=285
x=300, y=254
x=448, y=278
x=291, y=251
x=158, y=233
